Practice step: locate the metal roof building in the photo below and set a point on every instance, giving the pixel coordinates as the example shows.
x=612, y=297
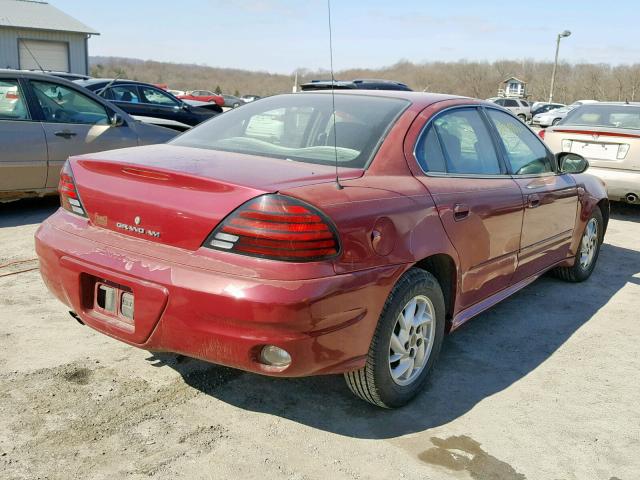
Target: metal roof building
x=35, y=35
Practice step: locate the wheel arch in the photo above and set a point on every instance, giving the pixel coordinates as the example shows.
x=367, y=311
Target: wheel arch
x=603, y=205
x=444, y=268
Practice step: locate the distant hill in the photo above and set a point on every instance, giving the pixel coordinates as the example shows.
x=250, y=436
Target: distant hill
x=474, y=79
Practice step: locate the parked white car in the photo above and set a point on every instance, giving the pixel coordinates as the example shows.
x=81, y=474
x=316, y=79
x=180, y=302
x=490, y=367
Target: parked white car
x=553, y=117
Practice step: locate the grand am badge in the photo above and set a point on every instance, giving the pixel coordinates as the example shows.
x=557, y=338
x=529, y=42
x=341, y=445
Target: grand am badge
x=137, y=229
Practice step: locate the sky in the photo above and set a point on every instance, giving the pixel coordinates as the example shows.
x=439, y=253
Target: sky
x=282, y=35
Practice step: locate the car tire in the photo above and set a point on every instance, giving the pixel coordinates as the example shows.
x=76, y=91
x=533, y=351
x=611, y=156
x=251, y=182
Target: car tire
x=555, y=122
x=236, y=105
x=588, y=251
x=523, y=118
x=376, y=383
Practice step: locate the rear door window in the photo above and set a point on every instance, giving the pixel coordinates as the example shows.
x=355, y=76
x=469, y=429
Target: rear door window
x=465, y=140
x=525, y=152
x=511, y=103
x=125, y=93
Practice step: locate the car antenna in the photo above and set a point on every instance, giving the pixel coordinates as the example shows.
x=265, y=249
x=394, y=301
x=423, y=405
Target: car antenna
x=333, y=98
x=104, y=89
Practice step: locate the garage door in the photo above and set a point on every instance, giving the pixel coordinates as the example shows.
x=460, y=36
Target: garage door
x=49, y=55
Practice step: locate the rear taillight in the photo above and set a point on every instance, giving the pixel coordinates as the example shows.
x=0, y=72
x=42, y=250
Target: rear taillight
x=279, y=228
x=69, y=197
x=541, y=133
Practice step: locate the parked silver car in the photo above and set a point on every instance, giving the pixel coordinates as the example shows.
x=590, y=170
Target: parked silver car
x=553, y=117
x=45, y=119
x=519, y=107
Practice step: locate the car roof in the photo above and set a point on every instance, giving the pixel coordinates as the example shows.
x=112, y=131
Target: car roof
x=616, y=104
x=417, y=98
x=120, y=81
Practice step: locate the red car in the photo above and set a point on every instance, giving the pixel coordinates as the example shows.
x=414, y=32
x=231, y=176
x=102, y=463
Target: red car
x=235, y=243
x=203, y=96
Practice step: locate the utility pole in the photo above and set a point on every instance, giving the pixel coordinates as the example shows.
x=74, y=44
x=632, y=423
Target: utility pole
x=566, y=33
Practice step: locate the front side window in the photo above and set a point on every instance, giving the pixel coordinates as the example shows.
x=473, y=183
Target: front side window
x=157, y=97
x=302, y=128
x=60, y=104
x=465, y=140
x=525, y=151
x=12, y=102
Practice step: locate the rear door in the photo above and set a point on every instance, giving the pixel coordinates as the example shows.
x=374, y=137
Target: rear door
x=551, y=200
x=480, y=205
x=23, y=149
x=75, y=124
x=127, y=97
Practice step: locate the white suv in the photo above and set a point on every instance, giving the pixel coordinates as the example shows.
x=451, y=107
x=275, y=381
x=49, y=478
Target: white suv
x=520, y=108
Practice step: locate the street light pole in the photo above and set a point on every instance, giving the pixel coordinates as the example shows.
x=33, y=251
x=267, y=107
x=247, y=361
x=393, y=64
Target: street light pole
x=566, y=33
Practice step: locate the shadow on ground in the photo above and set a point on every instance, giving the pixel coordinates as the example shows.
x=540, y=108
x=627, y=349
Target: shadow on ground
x=485, y=356
x=625, y=212
x=28, y=211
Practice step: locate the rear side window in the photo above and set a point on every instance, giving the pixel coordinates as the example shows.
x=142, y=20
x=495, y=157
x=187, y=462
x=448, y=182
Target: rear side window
x=429, y=153
x=525, y=152
x=465, y=141
x=125, y=93
x=12, y=102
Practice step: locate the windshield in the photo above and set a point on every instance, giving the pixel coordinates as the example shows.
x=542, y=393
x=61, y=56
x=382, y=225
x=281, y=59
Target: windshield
x=615, y=116
x=300, y=127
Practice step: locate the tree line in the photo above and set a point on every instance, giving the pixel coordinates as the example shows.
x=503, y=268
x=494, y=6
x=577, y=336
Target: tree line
x=474, y=79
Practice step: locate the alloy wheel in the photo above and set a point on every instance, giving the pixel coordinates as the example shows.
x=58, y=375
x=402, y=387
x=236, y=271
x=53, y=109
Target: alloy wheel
x=589, y=244
x=412, y=340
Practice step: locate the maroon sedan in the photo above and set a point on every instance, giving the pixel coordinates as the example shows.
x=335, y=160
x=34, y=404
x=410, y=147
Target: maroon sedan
x=203, y=96
x=235, y=243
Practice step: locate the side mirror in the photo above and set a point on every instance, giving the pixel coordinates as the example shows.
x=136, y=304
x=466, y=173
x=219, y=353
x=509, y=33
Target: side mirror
x=571, y=162
x=117, y=120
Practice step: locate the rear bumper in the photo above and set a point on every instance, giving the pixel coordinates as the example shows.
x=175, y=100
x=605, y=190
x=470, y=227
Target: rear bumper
x=619, y=183
x=326, y=324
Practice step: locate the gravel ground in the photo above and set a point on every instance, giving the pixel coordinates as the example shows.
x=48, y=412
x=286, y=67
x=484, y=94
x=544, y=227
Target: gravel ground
x=543, y=386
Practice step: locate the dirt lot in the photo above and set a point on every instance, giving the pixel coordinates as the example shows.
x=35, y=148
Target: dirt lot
x=544, y=386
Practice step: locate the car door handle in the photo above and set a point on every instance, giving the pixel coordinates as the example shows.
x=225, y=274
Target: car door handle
x=65, y=134
x=533, y=201
x=460, y=212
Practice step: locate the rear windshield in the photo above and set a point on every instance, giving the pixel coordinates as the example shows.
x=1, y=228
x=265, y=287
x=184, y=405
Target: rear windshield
x=300, y=127
x=615, y=116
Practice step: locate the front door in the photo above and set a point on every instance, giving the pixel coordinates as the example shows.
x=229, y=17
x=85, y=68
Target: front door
x=551, y=200
x=480, y=206
x=23, y=149
x=75, y=124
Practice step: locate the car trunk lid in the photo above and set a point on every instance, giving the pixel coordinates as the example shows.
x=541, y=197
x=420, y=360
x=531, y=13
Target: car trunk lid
x=177, y=195
x=604, y=147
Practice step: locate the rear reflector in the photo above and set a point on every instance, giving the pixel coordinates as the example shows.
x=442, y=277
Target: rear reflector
x=278, y=228
x=69, y=197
